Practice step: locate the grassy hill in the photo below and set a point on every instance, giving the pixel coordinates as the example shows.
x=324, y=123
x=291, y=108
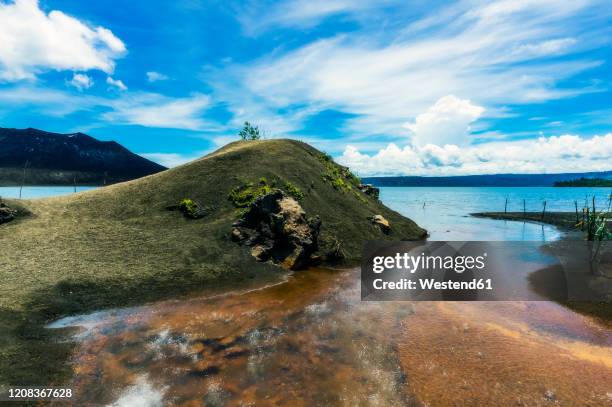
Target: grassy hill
x=119, y=245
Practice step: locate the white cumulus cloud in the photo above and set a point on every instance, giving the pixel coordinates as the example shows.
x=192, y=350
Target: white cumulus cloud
x=81, y=81
x=117, y=83
x=32, y=41
x=446, y=122
x=153, y=76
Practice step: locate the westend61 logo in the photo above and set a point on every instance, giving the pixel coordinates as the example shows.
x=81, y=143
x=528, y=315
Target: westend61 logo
x=477, y=271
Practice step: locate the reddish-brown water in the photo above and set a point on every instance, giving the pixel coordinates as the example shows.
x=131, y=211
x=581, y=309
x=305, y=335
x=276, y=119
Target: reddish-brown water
x=311, y=341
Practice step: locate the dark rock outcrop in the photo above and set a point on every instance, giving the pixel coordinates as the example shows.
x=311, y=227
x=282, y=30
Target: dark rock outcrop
x=6, y=213
x=276, y=228
x=370, y=189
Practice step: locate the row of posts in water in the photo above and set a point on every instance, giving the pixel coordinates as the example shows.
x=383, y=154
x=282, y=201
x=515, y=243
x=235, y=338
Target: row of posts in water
x=582, y=217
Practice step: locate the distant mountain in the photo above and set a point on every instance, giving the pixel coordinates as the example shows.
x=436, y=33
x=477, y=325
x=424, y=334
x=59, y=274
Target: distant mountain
x=62, y=159
x=496, y=180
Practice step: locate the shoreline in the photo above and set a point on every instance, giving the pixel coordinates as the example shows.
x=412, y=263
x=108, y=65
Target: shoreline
x=565, y=223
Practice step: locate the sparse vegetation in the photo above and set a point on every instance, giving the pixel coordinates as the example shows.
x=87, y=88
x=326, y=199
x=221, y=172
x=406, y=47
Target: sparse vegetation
x=249, y=132
x=189, y=208
x=596, y=224
x=341, y=178
x=243, y=195
x=597, y=229
x=294, y=191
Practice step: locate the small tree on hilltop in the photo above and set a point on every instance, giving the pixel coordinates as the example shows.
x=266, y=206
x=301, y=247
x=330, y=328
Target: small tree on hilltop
x=249, y=132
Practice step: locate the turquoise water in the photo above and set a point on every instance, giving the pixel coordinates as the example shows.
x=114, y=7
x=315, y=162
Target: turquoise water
x=32, y=192
x=444, y=211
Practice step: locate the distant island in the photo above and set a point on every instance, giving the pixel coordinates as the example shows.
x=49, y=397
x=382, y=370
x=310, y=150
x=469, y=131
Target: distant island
x=585, y=182
x=490, y=180
x=37, y=157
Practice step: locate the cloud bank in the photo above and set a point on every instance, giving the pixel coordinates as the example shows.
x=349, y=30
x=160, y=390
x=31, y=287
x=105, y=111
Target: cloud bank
x=567, y=153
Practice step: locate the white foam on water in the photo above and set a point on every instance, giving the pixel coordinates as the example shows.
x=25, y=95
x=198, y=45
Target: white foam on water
x=88, y=323
x=141, y=394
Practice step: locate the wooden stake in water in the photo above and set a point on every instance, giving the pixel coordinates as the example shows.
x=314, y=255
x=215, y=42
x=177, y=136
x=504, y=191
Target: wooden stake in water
x=23, y=177
x=544, y=210
x=524, y=210
x=577, y=218
x=74, y=182
x=506, y=206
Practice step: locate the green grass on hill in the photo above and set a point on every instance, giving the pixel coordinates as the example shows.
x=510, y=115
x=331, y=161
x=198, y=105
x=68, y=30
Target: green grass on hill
x=119, y=245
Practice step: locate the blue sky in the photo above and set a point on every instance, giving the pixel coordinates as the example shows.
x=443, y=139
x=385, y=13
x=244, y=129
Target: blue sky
x=387, y=87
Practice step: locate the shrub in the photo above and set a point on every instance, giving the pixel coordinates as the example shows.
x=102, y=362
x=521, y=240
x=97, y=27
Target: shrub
x=189, y=208
x=337, y=176
x=249, y=132
x=294, y=191
x=325, y=157
x=243, y=195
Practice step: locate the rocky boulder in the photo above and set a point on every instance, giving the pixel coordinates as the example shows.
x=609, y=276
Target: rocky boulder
x=382, y=223
x=276, y=228
x=6, y=214
x=369, y=189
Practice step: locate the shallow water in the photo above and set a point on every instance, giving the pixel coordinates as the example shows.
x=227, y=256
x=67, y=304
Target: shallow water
x=444, y=211
x=311, y=341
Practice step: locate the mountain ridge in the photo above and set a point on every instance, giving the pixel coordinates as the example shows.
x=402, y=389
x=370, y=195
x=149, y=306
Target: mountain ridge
x=63, y=159
x=490, y=180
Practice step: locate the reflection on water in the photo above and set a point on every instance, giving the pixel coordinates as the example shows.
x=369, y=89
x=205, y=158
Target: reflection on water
x=311, y=341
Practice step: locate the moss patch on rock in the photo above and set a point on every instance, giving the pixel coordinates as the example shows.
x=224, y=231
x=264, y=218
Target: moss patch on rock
x=244, y=195
x=294, y=191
